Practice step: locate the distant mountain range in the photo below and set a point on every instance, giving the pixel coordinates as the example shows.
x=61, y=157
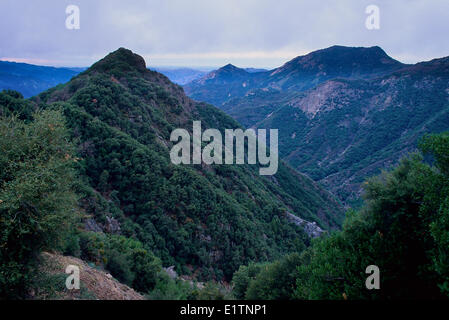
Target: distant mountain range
x=343, y=113
x=31, y=80
x=180, y=75
x=301, y=73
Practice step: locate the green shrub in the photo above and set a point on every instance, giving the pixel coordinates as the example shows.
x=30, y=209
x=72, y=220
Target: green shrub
x=37, y=202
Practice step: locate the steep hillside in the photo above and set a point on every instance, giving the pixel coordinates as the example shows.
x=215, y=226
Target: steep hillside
x=342, y=113
x=205, y=220
x=31, y=80
x=303, y=72
x=343, y=131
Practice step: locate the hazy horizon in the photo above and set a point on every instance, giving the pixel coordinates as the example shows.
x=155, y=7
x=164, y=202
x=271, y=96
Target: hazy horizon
x=204, y=68
x=200, y=33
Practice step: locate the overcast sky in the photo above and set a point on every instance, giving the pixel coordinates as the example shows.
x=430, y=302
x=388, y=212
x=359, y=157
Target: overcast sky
x=247, y=33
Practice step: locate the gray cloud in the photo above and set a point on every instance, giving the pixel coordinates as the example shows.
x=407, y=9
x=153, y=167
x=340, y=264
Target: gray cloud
x=262, y=33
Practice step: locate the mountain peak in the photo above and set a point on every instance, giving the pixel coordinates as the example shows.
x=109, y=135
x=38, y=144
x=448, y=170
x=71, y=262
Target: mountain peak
x=122, y=60
x=339, y=62
x=374, y=53
x=339, y=48
x=351, y=55
x=231, y=68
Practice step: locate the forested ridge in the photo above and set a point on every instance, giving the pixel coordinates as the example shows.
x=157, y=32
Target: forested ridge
x=135, y=211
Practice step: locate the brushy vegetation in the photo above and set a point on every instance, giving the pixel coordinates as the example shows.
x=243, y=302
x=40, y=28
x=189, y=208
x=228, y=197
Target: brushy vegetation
x=40, y=211
x=140, y=212
x=38, y=206
x=402, y=228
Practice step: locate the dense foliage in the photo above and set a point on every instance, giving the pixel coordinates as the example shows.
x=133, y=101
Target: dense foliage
x=204, y=220
x=37, y=203
x=402, y=229
x=141, y=212
x=267, y=281
x=39, y=211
